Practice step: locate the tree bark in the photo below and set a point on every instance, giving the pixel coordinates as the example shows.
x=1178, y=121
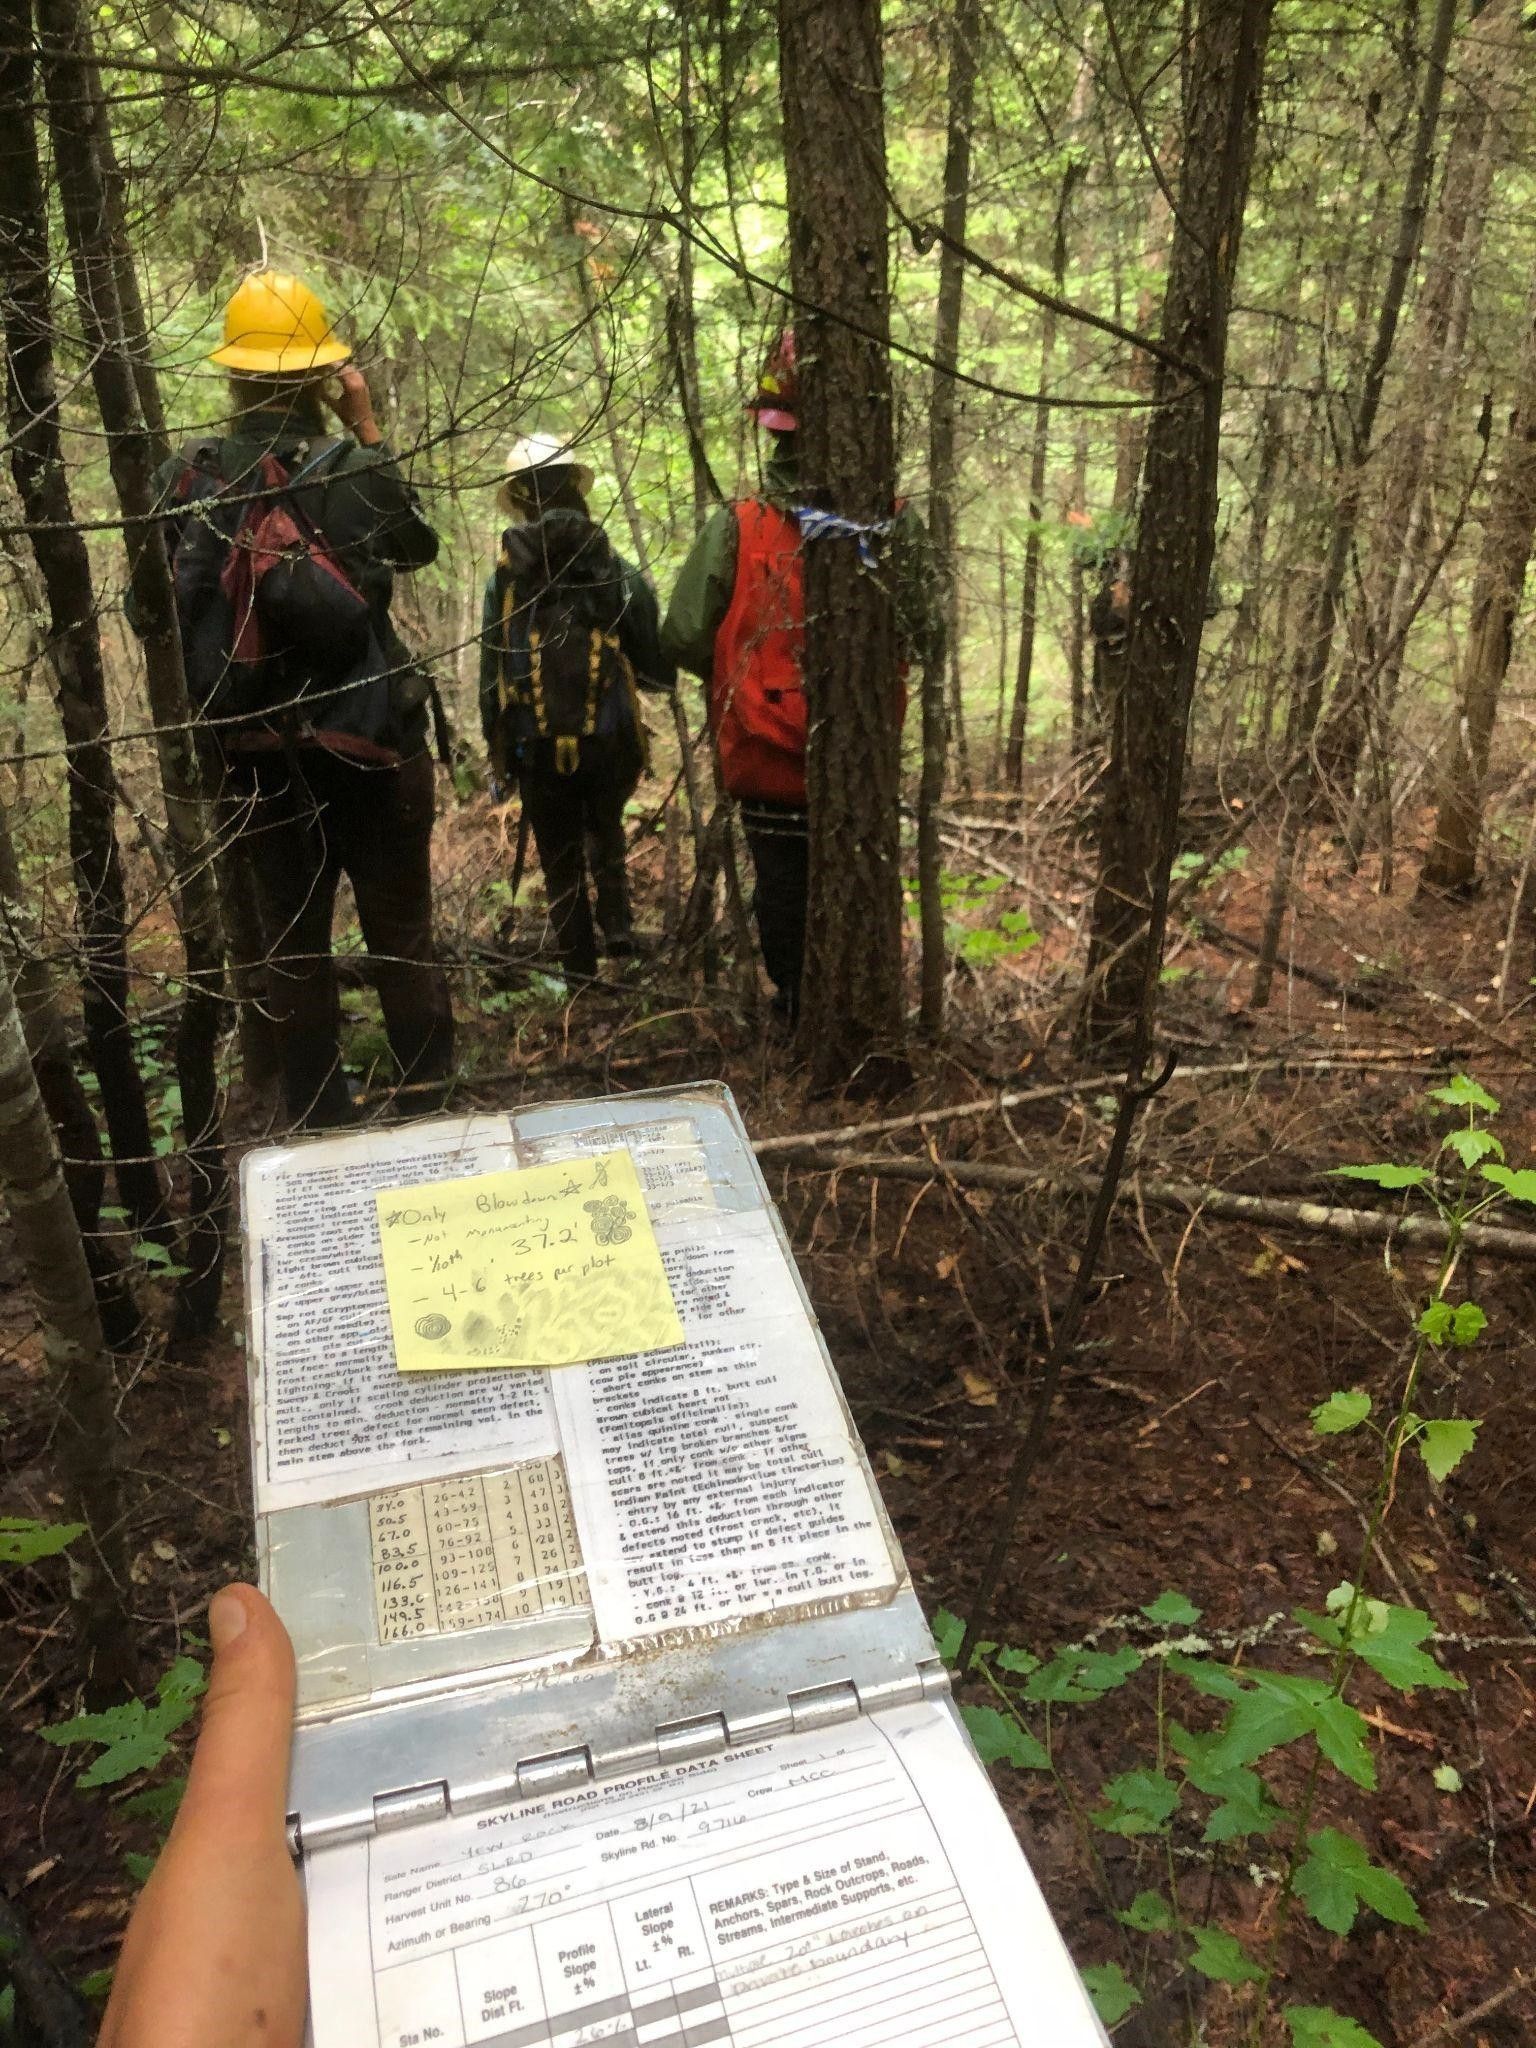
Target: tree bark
x=1175, y=537
x=1452, y=859
x=71, y=87
x=1317, y=643
x=831, y=82
x=73, y=642
x=53, y=1256
x=943, y=409
x=1435, y=376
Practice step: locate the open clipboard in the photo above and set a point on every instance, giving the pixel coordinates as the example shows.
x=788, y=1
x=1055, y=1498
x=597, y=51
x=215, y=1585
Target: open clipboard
x=521, y=1602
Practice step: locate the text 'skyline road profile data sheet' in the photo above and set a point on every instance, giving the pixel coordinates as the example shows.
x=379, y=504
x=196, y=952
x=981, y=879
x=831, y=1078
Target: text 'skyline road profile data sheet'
x=857, y=1887
x=619, y=1720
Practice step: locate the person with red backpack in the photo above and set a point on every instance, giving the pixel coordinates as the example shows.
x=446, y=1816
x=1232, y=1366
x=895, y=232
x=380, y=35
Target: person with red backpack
x=737, y=621
x=569, y=632
x=284, y=540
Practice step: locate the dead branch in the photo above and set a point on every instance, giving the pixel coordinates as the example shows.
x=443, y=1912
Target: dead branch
x=1358, y=1226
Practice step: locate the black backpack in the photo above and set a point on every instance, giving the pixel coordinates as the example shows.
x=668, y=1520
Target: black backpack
x=280, y=644
x=562, y=675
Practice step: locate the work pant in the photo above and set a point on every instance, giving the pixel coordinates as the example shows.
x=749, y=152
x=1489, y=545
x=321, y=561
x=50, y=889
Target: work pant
x=578, y=827
x=310, y=817
x=778, y=839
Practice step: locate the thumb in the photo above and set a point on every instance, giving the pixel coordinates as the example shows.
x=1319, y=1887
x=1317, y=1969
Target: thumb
x=239, y=1771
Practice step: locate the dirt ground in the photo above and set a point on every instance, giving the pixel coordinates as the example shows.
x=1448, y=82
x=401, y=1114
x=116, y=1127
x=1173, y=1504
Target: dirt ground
x=1180, y=1453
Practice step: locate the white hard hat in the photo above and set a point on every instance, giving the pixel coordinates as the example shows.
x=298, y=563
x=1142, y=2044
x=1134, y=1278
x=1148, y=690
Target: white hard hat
x=541, y=451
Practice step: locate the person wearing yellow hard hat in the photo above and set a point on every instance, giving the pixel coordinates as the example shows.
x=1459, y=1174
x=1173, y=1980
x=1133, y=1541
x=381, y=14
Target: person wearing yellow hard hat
x=569, y=631
x=285, y=536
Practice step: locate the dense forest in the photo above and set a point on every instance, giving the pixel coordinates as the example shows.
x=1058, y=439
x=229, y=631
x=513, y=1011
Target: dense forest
x=1152, y=1120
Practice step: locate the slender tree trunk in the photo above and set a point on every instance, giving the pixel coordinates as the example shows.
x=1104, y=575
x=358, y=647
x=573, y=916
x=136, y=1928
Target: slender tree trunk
x=942, y=465
x=1131, y=438
x=73, y=642
x=1507, y=534
x=1176, y=536
x=68, y=1107
x=71, y=87
x=831, y=78
x=48, y=1241
x=1001, y=717
x=1317, y=646
x=682, y=327
x=1435, y=376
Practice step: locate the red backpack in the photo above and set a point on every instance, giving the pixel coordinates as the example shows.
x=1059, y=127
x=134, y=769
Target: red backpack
x=756, y=691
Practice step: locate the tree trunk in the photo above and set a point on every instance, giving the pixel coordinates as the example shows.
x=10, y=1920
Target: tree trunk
x=943, y=407
x=1317, y=644
x=53, y=1257
x=68, y=1107
x=1452, y=859
x=71, y=86
x=1486, y=73
x=74, y=642
x=1176, y=536
x=682, y=328
x=831, y=76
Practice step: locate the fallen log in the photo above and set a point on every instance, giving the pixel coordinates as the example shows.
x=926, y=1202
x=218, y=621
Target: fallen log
x=1358, y=1226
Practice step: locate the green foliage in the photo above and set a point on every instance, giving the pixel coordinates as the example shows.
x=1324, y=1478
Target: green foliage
x=1338, y=1877
x=1172, y=1610
x=137, y=1735
x=1073, y=1676
x=1277, y=1708
x=1315, y=2026
x=1459, y=1326
x=1518, y=1186
x=1385, y=1176
x=1148, y=1913
x=1446, y=1778
x=1387, y=1639
x=24, y=1541
x=1464, y=1093
x=1138, y=1802
x=1442, y=1445
x=1243, y=1805
x=1341, y=1413
x=1003, y=1738
x=1112, y=1992
x=1222, y=1957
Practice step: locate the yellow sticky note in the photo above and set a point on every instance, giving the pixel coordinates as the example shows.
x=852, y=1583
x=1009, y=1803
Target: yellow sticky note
x=548, y=1265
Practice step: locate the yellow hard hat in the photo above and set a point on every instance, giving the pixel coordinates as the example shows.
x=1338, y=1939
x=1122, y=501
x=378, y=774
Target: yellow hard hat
x=275, y=326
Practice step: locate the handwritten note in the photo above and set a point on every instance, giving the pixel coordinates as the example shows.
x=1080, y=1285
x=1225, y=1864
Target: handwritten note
x=552, y=1265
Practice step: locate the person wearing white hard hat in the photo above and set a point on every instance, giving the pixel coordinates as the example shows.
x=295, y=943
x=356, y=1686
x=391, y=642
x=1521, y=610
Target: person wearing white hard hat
x=570, y=631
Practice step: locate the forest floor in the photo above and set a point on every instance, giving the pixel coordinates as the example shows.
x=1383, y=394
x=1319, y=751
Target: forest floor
x=1180, y=1455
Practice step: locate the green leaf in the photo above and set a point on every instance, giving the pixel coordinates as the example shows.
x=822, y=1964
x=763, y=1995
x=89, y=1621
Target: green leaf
x=948, y=1635
x=157, y=1803
x=1467, y=1325
x=1519, y=1186
x=1277, y=1708
x=135, y=1736
x=999, y=1738
x=151, y=1254
x=1339, y=1877
x=1341, y=1413
x=1172, y=1610
x=1435, y=1323
x=1112, y=1992
x=1148, y=1913
x=1214, y=1680
x=1393, y=1653
x=1447, y=1778
x=1075, y=1675
x=1017, y=1662
x=1222, y=1957
x=96, y=1985
x=138, y=1867
x=1386, y=1176
x=1471, y=1146
x=1315, y=2026
x=23, y=1541
x=1139, y=1802
x=1245, y=1807
x=1462, y=1092
x=1443, y=1445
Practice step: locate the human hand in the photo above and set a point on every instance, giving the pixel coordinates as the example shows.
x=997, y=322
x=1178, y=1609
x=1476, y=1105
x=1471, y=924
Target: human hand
x=214, y=1955
x=352, y=403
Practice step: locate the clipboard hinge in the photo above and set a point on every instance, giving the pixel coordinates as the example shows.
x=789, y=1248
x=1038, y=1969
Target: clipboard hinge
x=411, y=1803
